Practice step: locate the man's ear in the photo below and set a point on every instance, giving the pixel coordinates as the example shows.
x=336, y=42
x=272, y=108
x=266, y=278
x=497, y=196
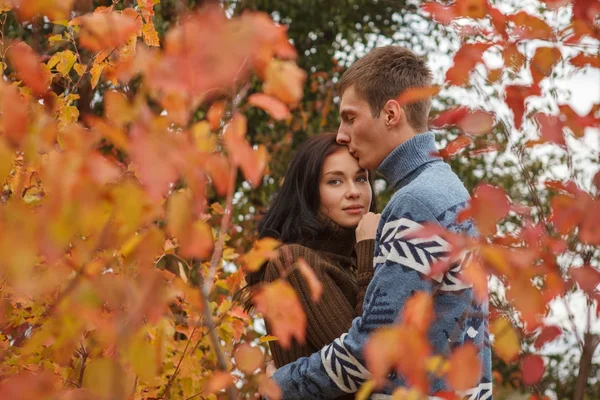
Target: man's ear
x=394, y=114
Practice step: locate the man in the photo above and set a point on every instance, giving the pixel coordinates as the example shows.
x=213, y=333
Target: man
x=381, y=134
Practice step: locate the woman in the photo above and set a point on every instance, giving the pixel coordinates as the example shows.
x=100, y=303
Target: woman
x=318, y=215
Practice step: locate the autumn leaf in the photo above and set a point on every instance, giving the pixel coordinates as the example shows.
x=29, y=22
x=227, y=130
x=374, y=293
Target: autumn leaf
x=529, y=27
x=513, y=58
x=218, y=167
x=465, y=367
x=53, y=9
x=414, y=95
x=587, y=277
x=548, y=334
x=507, y=343
x=262, y=251
x=551, y=128
x=440, y=13
x=589, y=228
x=455, y=146
x=284, y=81
x=271, y=105
x=314, y=284
x=63, y=61
x=150, y=35
x=476, y=9
x=269, y=388
x=107, y=31
x=488, y=206
x=279, y=304
x=543, y=62
x=583, y=60
x=475, y=274
x=532, y=369
x=565, y=213
x=197, y=241
x=476, y=122
x=465, y=59
x=515, y=98
x=418, y=311
x=219, y=381
x=15, y=118
x=365, y=390
x=248, y=358
x=29, y=68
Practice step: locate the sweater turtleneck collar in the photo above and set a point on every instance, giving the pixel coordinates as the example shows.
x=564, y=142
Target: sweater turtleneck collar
x=333, y=238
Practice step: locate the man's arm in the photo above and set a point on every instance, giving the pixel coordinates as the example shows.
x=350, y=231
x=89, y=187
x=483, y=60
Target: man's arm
x=402, y=264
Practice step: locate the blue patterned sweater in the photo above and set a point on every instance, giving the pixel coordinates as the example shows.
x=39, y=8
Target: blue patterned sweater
x=426, y=191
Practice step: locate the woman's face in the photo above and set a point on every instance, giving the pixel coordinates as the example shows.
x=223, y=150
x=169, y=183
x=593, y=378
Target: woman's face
x=344, y=188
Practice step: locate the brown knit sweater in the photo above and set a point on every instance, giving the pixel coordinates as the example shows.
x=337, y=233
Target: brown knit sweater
x=345, y=269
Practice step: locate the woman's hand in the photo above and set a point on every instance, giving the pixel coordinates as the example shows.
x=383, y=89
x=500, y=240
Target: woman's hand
x=367, y=227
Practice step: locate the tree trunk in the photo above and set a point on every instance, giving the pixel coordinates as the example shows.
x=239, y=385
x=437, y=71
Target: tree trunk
x=590, y=343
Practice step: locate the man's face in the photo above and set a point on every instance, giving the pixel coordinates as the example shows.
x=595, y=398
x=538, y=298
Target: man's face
x=360, y=131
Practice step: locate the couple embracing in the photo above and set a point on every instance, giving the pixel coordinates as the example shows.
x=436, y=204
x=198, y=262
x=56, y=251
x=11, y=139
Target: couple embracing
x=325, y=214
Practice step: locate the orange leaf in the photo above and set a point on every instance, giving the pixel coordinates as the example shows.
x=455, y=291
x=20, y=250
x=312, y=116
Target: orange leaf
x=582, y=60
x=489, y=205
x=476, y=122
x=469, y=55
x=565, y=213
x=449, y=117
x=476, y=9
x=475, y=274
x=269, y=388
x=440, y=13
x=248, y=358
x=314, y=284
x=513, y=58
x=528, y=27
x=117, y=108
x=285, y=81
x=515, y=98
x=413, y=95
x=589, y=229
x=198, y=241
x=418, y=311
x=53, y=9
x=578, y=123
x=279, y=304
x=217, y=166
x=548, y=334
x=262, y=251
x=219, y=381
x=507, y=343
x=532, y=369
x=271, y=105
x=587, y=277
x=107, y=30
x=15, y=118
x=29, y=68
x=544, y=60
x=215, y=114
x=465, y=367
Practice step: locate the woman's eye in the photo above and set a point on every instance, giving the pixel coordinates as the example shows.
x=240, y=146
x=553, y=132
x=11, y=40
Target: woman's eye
x=361, y=179
x=334, y=182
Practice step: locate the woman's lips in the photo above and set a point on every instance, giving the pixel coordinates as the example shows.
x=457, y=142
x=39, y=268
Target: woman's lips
x=354, y=210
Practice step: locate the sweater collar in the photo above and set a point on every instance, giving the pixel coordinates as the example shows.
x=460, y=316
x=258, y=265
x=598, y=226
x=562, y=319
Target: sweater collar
x=406, y=158
x=333, y=238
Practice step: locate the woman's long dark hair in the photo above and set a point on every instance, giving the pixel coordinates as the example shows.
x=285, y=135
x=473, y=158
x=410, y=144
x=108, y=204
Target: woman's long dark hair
x=292, y=215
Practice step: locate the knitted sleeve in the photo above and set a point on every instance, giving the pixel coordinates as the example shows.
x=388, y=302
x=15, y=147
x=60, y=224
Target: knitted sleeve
x=327, y=318
x=365, y=250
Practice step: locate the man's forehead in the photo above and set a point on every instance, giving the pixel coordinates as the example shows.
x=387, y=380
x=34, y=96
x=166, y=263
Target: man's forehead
x=350, y=100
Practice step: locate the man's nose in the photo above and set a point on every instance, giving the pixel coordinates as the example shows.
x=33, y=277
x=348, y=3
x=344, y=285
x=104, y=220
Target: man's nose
x=342, y=137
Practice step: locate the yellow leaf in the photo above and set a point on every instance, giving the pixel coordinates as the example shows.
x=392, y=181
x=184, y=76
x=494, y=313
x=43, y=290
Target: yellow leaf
x=205, y=140
x=80, y=69
x=507, y=343
x=261, y=252
x=150, y=35
x=268, y=338
x=96, y=71
x=437, y=365
x=99, y=376
x=142, y=357
x=55, y=38
x=64, y=61
x=5, y=6
x=6, y=160
x=179, y=213
x=62, y=22
x=365, y=390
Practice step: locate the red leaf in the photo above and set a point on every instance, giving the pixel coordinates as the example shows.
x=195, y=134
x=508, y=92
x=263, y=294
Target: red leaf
x=532, y=369
x=551, y=128
x=578, y=123
x=440, y=13
x=548, y=334
x=583, y=60
x=465, y=367
x=464, y=61
x=215, y=113
x=279, y=304
x=489, y=205
x=476, y=9
x=455, y=146
x=596, y=181
x=515, y=98
x=586, y=10
x=449, y=117
x=29, y=68
x=314, y=284
x=587, y=277
x=498, y=20
x=476, y=122
x=589, y=228
x=565, y=213
x=271, y=105
x=413, y=95
x=544, y=60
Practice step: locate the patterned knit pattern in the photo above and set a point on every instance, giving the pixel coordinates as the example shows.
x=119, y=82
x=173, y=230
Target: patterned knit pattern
x=427, y=191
